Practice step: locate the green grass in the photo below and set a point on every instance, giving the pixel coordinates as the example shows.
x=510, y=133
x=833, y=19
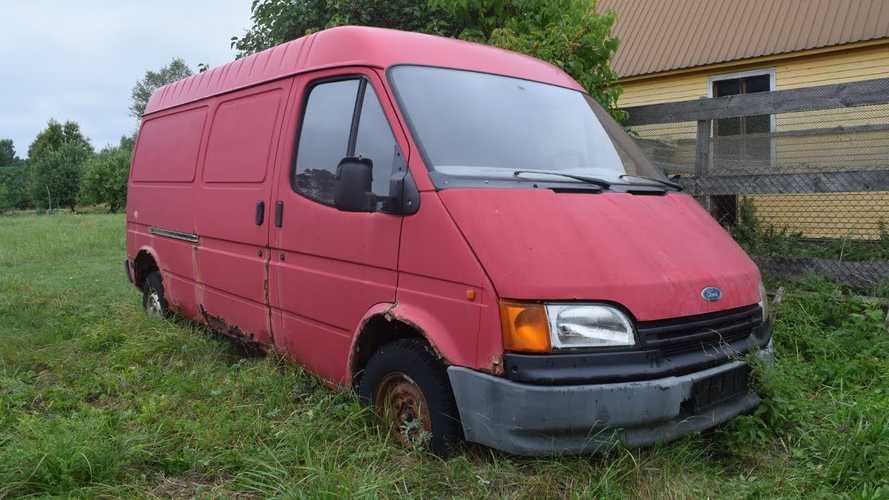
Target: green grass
x=98, y=400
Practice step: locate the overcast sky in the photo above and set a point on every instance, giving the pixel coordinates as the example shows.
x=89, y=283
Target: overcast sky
x=79, y=59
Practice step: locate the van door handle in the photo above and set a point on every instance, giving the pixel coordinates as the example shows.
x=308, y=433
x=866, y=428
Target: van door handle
x=279, y=214
x=260, y=212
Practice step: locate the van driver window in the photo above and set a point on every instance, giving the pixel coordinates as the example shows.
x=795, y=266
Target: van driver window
x=325, y=138
x=375, y=141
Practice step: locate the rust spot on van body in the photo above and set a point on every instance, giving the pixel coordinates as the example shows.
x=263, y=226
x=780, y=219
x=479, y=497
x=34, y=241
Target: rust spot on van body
x=195, y=268
x=496, y=366
x=392, y=314
x=244, y=339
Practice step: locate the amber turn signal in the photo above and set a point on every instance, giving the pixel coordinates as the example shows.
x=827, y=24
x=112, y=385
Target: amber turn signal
x=525, y=328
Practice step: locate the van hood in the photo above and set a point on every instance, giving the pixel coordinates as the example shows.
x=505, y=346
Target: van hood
x=654, y=254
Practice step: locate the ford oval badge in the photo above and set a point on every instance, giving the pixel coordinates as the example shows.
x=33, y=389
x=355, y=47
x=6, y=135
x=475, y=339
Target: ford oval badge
x=711, y=294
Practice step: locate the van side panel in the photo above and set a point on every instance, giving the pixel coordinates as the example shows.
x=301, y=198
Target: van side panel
x=439, y=277
x=233, y=214
x=169, y=146
x=160, y=198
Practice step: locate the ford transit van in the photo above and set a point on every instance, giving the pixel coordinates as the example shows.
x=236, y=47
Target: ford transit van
x=458, y=233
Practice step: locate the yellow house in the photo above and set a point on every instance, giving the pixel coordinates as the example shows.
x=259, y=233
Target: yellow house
x=680, y=50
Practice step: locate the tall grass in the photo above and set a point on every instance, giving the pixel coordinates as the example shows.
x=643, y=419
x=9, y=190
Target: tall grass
x=98, y=400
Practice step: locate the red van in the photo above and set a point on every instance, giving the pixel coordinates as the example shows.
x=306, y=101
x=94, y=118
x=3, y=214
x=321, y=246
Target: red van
x=457, y=232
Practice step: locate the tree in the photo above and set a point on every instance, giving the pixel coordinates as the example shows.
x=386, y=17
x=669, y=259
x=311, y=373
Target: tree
x=105, y=176
x=176, y=70
x=277, y=21
x=16, y=181
x=567, y=33
x=127, y=142
x=7, y=153
x=55, y=179
x=5, y=202
x=56, y=156
x=55, y=136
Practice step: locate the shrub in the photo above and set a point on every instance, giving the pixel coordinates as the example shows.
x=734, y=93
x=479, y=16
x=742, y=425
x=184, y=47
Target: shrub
x=105, y=179
x=15, y=180
x=4, y=199
x=55, y=178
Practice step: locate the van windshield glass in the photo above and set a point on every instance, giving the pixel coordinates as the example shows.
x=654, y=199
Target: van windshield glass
x=487, y=126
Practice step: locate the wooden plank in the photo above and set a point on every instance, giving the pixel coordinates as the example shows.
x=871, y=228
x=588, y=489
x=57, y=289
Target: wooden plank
x=702, y=149
x=702, y=155
x=807, y=132
x=840, y=130
x=840, y=95
x=811, y=182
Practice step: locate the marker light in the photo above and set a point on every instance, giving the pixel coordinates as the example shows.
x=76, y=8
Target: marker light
x=524, y=327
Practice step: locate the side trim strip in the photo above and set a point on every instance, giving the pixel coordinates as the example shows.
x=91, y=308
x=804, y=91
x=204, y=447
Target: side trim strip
x=176, y=235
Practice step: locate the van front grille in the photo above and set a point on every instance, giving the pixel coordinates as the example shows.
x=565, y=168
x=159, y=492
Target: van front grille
x=699, y=333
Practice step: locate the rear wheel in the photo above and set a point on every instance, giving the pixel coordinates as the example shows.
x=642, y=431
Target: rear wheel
x=408, y=389
x=153, y=299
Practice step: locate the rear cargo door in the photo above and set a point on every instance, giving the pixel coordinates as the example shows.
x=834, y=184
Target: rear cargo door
x=232, y=210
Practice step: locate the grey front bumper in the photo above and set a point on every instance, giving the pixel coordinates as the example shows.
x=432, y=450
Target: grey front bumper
x=529, y=419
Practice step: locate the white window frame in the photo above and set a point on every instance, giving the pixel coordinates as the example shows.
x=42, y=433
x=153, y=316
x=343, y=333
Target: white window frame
x=744, y=74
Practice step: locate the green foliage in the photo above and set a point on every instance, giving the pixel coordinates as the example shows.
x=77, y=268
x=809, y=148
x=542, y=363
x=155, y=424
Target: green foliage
x=127, y=142
x=97, y=400
x=16, y=182
x=278, y=21
x=5, y=203
x=761, y=239
x=176, y=70
x=55, y=177
x=105, y=178
x=56, y=156
x=827, y=399
x=54, y=136
x=8, y=157
x=567, y=33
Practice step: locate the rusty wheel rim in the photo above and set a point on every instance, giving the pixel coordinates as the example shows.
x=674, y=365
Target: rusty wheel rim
x=153, y=304
x=402, y=406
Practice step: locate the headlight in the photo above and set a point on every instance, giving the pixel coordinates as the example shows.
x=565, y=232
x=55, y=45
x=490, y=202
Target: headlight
x=530, y=327
x=588, y=325
x=763, y=301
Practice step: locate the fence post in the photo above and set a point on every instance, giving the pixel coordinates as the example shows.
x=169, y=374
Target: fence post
x=702, y=161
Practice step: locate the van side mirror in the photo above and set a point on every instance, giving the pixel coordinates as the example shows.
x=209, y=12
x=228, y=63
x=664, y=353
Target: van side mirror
x=354, y=183
x=404, y=198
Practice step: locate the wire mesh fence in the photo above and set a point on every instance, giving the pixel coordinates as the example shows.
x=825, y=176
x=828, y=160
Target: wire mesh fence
x=804, y=190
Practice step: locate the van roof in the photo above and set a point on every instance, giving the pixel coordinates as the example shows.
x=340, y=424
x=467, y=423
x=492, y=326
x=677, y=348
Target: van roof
x=354, y=46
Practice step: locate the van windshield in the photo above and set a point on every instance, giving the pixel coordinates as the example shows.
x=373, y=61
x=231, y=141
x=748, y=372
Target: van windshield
x=478, y=125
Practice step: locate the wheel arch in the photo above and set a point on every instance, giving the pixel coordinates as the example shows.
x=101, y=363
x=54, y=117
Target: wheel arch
x=387, y=322
x=144, y=263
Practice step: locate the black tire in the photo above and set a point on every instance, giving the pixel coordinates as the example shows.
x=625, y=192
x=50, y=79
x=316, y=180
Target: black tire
x=416, y=361
x=153, y=299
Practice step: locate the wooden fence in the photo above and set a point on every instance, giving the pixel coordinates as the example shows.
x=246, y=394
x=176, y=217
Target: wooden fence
x=860, y=165
x=704, y=111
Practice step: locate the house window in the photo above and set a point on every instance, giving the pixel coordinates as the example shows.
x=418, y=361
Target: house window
x=740, y=145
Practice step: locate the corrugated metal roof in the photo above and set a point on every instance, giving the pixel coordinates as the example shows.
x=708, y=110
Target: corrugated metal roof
x=664, y=35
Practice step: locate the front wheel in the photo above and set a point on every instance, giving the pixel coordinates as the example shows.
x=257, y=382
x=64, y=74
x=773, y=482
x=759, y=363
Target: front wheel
x=153, y=299
x=408, y=389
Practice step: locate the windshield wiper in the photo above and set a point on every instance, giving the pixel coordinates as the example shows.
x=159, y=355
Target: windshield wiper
x=602, y=183
x=654, y=179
